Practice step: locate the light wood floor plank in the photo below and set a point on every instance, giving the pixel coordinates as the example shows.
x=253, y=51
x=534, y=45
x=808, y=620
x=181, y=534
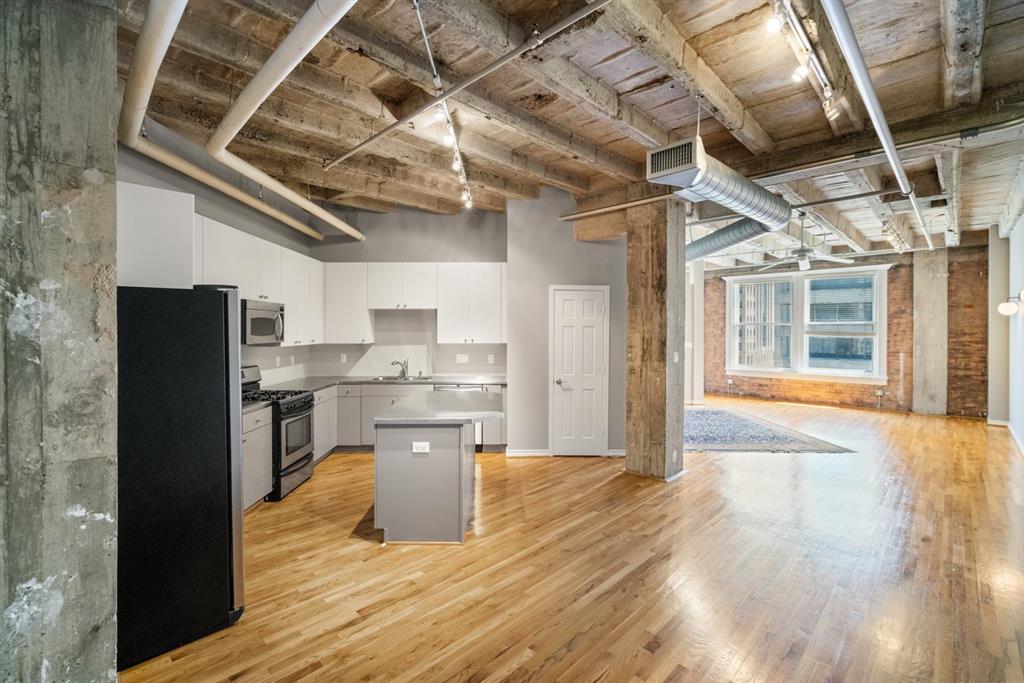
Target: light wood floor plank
x=901, y=561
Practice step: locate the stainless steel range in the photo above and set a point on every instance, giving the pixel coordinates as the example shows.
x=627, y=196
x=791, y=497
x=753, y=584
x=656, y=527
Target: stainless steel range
x=293, y=431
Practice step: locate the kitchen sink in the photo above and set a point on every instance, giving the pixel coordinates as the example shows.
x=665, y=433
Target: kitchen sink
x=397, y=379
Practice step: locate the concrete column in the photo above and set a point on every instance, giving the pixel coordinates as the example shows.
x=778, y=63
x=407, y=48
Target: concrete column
x=998, y=329
x=695, y=332
x=58, y=387
x=655, y=339
x=931, y=331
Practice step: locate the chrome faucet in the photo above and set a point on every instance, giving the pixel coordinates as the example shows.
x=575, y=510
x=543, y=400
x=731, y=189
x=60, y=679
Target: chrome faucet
x=403, y=372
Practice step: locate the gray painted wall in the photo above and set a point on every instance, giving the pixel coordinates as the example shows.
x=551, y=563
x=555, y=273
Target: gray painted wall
x=133, y=167
x=412, y=235
x=542, y=252
x=1016, y=323
x=998, y=328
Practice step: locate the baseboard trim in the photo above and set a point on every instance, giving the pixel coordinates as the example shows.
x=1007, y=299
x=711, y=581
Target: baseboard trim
x=616, y=453
x=510, y=453
x=998, y=423
x=1017, y=438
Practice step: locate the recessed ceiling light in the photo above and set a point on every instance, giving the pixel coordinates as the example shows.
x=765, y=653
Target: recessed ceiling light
x=774, y=23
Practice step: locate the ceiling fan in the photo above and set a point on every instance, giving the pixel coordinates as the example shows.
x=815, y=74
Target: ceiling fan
x=804, y=255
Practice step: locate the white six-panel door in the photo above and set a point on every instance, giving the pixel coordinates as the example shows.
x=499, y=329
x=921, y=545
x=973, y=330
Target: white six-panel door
x=579, y=371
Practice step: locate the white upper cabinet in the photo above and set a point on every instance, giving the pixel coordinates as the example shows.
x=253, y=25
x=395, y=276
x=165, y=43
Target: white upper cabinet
x=267, y=266
x=155, y=230
x=228, y=256
x=401, y=285
x=347, y=315
x=295, y=297
x=384, y=285
x=484, y=303
x=419, y=285
x=316, y=301
x=453, y=303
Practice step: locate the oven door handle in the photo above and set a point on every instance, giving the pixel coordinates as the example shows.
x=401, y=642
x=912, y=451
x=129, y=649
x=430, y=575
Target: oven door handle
x=288, y=419
x=298, y=465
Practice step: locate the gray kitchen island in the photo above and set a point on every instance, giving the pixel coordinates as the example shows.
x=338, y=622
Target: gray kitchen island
x=424, y=465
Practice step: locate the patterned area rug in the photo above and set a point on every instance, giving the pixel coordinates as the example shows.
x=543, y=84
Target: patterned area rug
x=712, y=429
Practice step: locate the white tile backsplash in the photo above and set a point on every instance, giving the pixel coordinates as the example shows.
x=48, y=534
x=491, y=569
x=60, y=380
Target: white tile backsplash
x=398, y=335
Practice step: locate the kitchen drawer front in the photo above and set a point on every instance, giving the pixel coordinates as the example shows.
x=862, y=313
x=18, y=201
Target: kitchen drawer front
x=396, y=390
x=325, y=394
x=350, y=390
x=256, y=419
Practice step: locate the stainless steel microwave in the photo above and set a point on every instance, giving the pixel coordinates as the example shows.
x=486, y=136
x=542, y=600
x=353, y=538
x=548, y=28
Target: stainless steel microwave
x=262, y=323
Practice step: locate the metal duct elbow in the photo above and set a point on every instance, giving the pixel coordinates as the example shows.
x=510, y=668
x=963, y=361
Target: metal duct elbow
x=731, y=235
x=685, y=165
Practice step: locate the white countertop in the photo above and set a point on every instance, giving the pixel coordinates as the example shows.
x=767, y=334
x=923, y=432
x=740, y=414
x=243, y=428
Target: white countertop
x=441, y=407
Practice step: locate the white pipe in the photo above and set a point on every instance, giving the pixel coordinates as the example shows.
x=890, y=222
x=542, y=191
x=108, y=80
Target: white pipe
x=311, y=28
x=191, y=170
x=161, y=21
x=253, y=173
x=847, y=39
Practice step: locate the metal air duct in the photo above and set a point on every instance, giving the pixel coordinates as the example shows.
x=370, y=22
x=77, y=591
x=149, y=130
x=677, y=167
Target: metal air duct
x=688, y=167
x=685, y=165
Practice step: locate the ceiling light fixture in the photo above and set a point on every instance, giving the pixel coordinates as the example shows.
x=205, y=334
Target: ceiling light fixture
x=800, y=73
x=442, y=113
x=774, y=23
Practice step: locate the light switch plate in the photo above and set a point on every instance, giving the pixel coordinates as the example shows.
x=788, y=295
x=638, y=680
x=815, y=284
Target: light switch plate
x=277, y=360
x=490, y=359
x=343, y=358
x=420, y=446
x=462, y=358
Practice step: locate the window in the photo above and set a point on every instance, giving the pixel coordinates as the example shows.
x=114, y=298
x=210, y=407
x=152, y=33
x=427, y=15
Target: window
x=828, y=324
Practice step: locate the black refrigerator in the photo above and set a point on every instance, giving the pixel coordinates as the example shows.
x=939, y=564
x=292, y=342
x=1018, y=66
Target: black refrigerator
x=179, y=554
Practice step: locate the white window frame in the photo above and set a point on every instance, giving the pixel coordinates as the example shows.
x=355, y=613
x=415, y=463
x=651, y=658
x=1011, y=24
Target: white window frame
x=801, y=328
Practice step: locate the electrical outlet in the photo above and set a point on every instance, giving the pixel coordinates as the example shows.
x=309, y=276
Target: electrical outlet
x=277, y=361
x=343, y=358
x=291, y=360
x=490, y=359
x=462, y=358
x=728, y=381
x=879, y=392
x=420, y=446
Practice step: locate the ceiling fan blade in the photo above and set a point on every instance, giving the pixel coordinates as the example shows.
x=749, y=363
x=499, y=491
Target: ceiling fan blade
x=833, y=259
x=781, y=262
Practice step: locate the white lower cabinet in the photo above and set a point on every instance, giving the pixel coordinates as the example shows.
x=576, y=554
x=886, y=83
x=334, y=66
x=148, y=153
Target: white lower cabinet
x=493, y=430
x=257, y=453
x=370, y=407
x=325, y=422
x=350, y=426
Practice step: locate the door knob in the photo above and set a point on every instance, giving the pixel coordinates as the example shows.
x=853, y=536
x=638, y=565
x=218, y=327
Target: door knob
x=558, y=382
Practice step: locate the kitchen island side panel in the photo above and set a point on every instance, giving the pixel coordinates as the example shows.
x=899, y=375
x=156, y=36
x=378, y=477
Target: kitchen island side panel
x=419, y=496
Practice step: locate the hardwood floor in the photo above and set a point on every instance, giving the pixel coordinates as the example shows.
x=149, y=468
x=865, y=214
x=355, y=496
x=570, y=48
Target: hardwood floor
x=901, y=561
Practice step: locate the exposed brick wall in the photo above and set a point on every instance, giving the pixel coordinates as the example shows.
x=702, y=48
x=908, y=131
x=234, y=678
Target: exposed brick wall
x=967, y=367
x=967, y=392
x=899, y=344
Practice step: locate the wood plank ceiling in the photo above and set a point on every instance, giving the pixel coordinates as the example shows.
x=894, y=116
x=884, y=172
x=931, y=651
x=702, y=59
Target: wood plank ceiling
x=579, y=112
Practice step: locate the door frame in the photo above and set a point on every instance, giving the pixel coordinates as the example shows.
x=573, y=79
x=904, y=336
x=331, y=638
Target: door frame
x=552, y=289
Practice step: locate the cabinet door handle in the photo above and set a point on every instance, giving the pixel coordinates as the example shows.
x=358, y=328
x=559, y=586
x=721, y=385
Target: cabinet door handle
x=244, y=440
x=257, y=422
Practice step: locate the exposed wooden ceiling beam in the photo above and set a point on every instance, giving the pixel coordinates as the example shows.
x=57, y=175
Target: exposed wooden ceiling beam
x=652, y=33
x=364, y=203
x=895, y=226
x=827, y=216
x=499, y=34
x=949, y=169
x=198, y=124
x=410, y=65
x=859, y=150
x=1012, y=216
x=843, y=109
x=963, y=29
